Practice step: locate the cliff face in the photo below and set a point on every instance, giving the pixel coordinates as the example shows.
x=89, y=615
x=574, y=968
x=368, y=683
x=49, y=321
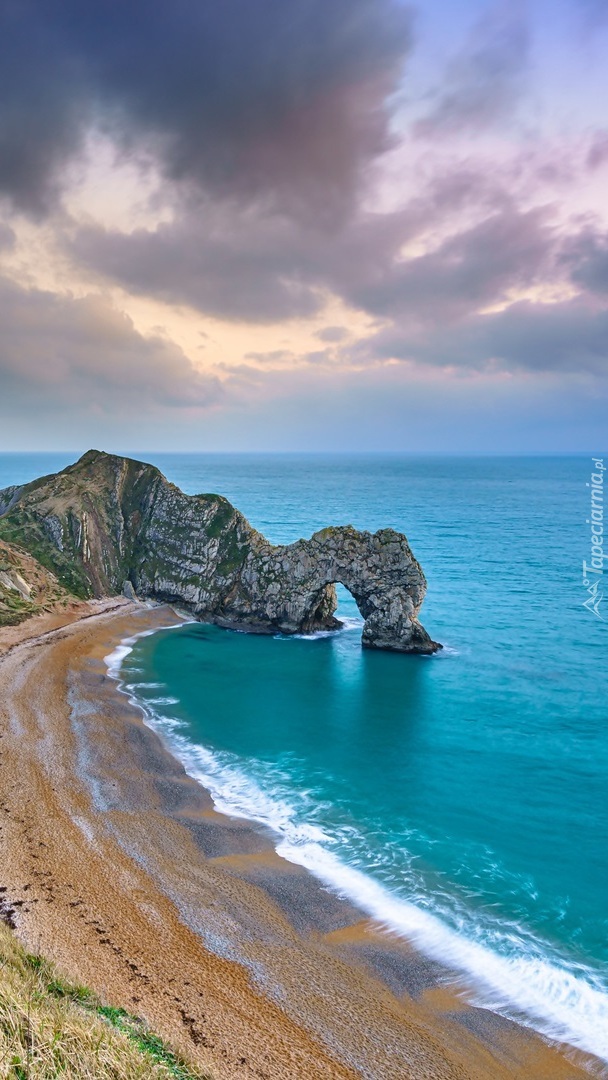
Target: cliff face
x=107, y=521
x=26, y=588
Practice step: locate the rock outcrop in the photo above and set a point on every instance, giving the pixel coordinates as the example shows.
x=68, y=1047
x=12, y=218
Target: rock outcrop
x=110, y=524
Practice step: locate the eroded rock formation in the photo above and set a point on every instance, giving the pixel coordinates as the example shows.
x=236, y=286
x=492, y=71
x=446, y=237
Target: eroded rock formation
x=108, y=523
x=26, y=588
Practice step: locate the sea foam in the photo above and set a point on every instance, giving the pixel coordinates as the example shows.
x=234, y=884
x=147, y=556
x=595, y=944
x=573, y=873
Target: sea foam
x=524, y=980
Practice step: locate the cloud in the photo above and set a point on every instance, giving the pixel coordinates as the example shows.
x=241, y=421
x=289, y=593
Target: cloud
x=587, y=255
x=236, y=265
x=435, y=306
x=264, y=125
x=267, y=100
x=419, y=409
x=566, y=338
x=598, y=151
x=275, y=356
x=483, y=82
x=471, y=269
x=59, y=353
x=245, y=263
x=7, y=237
x=332, y=334
x=42, y=110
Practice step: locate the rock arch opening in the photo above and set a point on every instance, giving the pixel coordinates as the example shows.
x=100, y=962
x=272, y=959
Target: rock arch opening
x=378, y=570
x=107, y=520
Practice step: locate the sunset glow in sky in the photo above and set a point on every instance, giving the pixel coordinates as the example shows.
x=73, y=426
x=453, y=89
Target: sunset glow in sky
x=304, y=224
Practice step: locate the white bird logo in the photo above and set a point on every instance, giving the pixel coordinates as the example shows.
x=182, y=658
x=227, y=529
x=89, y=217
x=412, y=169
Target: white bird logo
x=594, y=600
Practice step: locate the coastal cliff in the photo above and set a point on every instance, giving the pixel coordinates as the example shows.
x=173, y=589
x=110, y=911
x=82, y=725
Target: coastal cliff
x=110, y=524
x=26, y=588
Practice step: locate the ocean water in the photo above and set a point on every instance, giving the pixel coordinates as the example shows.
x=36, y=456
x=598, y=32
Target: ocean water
x=462, y=799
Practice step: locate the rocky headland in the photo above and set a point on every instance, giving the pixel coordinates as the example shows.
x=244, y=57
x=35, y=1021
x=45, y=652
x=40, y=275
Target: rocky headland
x=109, y=525
x=186, y=924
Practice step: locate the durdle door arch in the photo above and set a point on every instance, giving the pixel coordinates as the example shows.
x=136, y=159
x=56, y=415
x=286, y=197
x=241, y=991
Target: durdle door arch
x=109, y=524
x=294, y=586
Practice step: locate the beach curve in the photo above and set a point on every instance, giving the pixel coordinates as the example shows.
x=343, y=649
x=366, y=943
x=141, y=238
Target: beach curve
x=118, y=867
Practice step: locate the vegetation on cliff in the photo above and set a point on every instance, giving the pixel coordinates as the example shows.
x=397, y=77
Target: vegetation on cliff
x=107, y=522
x=50, y=1028
x=26, y=587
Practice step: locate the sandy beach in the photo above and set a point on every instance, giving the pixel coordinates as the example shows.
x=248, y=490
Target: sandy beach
x=116, y=865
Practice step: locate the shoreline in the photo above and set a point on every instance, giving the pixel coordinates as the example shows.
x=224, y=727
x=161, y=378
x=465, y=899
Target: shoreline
x=508, y=985
x=241, y=959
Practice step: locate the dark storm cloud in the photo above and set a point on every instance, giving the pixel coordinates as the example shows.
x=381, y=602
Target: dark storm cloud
x=244, y=263
x=58, y=352
x=232, y=266
x=436, y=301
x=41, y=106
x=471, y=269
x=483, y=82
x=258, y=98
x=251, y=266
x=567, y=337
x=587, y=256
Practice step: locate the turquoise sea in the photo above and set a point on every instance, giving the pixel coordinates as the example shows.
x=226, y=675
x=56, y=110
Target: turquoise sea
x=462, y=799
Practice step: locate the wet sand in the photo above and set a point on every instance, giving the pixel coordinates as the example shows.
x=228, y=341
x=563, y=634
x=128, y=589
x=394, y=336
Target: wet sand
x=116, y=865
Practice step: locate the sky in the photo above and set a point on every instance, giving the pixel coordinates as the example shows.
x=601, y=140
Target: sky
x=287, y=225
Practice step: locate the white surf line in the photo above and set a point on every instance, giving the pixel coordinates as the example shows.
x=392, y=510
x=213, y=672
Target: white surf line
x=561, y=1005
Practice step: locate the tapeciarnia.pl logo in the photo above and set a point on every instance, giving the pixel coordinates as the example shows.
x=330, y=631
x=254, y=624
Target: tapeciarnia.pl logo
x=593, y=572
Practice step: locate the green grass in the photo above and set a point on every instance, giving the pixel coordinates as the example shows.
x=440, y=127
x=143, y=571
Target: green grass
x=24, y=530
x=146, y=1041
x=52, y=1028
x=13, y=608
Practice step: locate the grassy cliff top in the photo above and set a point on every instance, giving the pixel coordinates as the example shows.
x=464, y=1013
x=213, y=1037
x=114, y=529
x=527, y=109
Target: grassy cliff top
x=50, y=1028
x=26, y=587
x=88, y=524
